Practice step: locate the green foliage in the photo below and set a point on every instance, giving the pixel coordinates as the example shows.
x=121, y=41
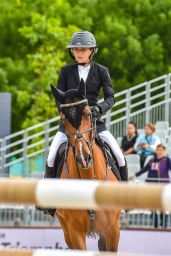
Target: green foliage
x=133, y=38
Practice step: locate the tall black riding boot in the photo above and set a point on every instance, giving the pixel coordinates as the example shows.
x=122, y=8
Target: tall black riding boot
x=48, y=172
x=48, y=211
x=124, y=172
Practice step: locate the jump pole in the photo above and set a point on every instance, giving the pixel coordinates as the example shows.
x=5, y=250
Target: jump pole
x=41, y=252
x=83, y=194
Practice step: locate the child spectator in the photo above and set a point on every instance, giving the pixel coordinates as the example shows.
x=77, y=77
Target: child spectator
x=158, y=171
x=146, y=143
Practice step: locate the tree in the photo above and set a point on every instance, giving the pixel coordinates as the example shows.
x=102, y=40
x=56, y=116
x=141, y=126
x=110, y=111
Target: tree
x=133, y=38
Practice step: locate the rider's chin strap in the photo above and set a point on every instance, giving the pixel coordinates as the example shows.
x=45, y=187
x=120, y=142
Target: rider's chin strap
x=84, y=64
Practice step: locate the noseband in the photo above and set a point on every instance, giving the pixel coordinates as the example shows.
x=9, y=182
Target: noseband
x=79, y=135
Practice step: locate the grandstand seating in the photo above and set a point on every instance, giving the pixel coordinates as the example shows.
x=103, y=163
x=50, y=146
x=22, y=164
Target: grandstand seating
x=133, y=158
x=133, y=162
x=119, y=141
x=148, y=158
x=140, y=131
x=162, y=125
x=162, y=134
x=169, y=151
x=24, y=152
x=133, y=168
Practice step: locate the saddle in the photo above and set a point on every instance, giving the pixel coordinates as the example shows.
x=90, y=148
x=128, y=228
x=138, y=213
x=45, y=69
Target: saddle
x=108, y=153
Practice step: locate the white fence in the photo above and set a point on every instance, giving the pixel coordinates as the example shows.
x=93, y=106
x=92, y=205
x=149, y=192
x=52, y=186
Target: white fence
x=19, y=216
x=146, y=102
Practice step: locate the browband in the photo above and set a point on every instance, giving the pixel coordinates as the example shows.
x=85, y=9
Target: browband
x=73, y=104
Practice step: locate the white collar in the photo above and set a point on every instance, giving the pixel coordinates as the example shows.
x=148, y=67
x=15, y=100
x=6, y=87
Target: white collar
x=82, y=68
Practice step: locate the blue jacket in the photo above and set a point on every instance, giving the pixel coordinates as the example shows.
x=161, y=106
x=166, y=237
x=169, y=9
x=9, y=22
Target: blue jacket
x=152, y=140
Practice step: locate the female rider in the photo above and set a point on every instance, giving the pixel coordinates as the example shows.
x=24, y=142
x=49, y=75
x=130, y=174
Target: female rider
x=82, y=48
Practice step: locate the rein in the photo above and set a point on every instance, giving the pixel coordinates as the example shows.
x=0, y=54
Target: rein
x=79, y=135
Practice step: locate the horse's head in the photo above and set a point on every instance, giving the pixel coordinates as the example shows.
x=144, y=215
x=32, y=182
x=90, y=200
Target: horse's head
x=77, y=119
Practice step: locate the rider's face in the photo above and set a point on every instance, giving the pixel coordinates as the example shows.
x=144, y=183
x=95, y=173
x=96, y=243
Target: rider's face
x=82, y=54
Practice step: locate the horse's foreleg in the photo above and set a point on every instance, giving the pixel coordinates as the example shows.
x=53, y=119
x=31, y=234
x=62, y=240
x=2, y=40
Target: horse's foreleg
x=78, y=239
x=102, y=243
x=112, y=238
x=66, y=231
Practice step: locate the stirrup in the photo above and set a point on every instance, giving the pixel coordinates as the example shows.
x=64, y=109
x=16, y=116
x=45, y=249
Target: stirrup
x=47, y=211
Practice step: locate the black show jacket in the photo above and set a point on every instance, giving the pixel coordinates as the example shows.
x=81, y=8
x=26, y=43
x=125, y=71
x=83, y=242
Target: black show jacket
x=98, y=78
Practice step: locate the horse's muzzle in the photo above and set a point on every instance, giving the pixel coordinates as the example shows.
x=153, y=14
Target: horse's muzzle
x=84, y=162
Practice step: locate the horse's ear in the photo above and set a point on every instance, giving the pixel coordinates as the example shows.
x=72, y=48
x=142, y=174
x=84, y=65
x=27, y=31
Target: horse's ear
x=82, y=88
x=58, y=94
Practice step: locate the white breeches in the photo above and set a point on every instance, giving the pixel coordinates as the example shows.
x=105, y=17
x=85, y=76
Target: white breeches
x=61, y=137
x=110, y=140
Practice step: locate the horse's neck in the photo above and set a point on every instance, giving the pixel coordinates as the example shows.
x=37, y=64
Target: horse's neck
x=99, y=162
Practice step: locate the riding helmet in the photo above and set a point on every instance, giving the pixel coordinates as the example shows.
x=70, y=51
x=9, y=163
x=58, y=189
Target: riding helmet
x=82, y=39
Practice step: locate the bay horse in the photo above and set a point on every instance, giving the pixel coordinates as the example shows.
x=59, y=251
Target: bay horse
x=84, y=160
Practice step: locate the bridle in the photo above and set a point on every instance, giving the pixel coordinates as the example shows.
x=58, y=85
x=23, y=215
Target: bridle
x=79, y=135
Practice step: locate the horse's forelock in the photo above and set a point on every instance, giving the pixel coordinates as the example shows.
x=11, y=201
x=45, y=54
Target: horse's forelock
x=74, y=114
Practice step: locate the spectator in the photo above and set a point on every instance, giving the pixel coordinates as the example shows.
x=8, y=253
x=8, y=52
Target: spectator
x=158, y=171
x=128, y=141
x=146, y=143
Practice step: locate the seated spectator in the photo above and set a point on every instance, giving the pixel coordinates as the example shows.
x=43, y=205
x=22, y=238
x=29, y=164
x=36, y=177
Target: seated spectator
x=158, y=171
x=146, y=143
x=128, y=141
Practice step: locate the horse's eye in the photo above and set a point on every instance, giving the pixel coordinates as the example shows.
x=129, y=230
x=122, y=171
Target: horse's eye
x=87, y=115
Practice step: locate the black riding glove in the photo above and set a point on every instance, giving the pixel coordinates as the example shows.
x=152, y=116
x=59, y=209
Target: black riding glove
x=95, y=111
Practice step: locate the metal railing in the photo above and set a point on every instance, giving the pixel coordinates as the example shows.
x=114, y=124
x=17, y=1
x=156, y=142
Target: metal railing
x=145, y=219
x=20, y=216
x=146, y=102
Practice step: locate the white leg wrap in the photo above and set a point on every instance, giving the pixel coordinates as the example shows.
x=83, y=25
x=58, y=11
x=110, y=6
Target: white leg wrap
x=59, y=138
x=110, y=140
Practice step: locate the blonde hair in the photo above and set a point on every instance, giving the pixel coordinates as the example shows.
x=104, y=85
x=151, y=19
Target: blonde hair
x=151, y=126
